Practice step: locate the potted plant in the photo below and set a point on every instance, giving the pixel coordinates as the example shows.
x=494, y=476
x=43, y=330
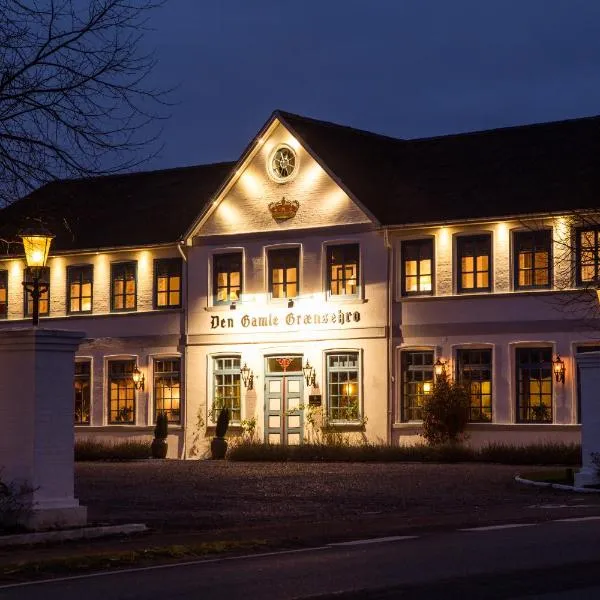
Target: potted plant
x=159, y=443
x=218, y=445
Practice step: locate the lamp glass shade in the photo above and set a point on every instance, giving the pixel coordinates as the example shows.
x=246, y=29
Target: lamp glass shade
x=559, y=366
x=36, y=244
x=136, y=376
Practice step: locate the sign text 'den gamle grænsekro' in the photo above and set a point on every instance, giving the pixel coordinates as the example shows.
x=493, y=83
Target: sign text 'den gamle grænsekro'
x=291, y=319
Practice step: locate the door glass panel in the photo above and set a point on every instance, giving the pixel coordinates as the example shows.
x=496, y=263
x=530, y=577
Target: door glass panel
x=294, y=439
x=275, y=387
x=294, y=386
x=273, y=438
x=293, y=403
x=274, y=421
x=274, y=404
x=293, y=421
x=284, y=364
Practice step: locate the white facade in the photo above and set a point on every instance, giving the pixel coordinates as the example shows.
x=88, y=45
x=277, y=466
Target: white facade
x=364, y=345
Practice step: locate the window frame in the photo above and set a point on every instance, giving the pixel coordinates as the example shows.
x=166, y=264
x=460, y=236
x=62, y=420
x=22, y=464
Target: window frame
x=113, y=267
x=547, y=365
x=4, y=287
x=233, y=372
x=474, y=366
x=83, y=376
x=359, y=418
x=475, y=239
x=282, y=252
x=546, y=232
x=71, y=269
x=225, y=257
x=156, y=376
x=405, y=408
x=45, y=279
x=342, y=246
x=404, y=244
x=169, y=262
x=128, y=377
x=578, y=249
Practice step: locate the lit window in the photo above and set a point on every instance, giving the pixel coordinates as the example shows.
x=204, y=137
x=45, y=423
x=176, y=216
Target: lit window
x=417, y=382
x=342, y=270
x=83, y=373
x=474, y=371
x=417, y=267
x=121, y=392
x=532, y=251
x=343, y=386
x=167, y=388
x=3, y=294
x=227, y=278
x=283, y=272
x=474, y=265
x=123, y=286
x=534, y=385
x=44, y=305
x=226, y=387
x=79, y=288
x=167, y=283
x=588, y=253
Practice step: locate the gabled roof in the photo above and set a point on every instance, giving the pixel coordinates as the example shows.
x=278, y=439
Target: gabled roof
x=135, y=209
x=548, y=167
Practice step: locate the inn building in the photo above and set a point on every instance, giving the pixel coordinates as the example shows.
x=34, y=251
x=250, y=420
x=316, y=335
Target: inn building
x=320, y=282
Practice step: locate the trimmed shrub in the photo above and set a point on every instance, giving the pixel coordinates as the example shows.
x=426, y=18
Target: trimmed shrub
x=222, y=423
x=446, y=412
x=91, y=450
x=161, y=429
x=536, y=454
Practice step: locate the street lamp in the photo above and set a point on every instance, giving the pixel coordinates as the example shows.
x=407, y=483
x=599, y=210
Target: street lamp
x=36, y=244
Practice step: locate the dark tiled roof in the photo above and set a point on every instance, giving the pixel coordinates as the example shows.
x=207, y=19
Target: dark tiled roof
x=518, y=170
x=135, y=209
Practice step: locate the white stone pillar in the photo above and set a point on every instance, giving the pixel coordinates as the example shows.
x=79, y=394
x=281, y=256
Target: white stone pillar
x=36, y=422
x=589, y=368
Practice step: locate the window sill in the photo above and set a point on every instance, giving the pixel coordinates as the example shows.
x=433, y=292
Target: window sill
x=346, y=300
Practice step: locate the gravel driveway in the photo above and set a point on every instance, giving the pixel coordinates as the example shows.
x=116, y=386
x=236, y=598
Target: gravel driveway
x=206, y=495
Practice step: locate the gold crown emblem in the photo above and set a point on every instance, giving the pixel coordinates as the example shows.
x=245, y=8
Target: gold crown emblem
x=284, y=209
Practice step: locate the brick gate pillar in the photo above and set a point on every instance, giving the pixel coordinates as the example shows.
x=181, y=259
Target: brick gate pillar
x=36, y=422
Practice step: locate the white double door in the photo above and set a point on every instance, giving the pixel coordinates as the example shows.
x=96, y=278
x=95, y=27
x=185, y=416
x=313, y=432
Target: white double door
x=283, y=409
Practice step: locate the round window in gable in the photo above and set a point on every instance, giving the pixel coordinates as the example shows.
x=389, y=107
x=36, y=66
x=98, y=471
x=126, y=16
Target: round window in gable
x=283, y=164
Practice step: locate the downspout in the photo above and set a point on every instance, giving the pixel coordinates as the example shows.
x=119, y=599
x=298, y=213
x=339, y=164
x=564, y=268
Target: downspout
x=389, y=330
x=183, y=327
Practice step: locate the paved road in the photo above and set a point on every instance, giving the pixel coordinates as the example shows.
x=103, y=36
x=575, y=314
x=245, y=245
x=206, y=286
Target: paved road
x=549, y=561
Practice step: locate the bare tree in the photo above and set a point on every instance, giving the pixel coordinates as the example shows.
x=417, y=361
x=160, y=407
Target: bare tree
x=74, y=98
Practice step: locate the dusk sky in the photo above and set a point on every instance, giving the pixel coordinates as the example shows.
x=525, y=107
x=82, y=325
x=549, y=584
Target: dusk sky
x=405, y=68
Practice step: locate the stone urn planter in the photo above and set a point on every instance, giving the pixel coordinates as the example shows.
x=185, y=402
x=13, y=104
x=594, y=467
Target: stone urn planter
x=218, y=445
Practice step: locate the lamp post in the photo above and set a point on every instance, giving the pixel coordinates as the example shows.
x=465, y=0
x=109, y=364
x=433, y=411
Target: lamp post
x=36, y=244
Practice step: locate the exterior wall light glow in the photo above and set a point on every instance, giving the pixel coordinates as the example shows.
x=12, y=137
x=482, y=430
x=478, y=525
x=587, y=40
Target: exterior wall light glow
x=247, y=377
x=309, y=374
x=558, y=366
x=139, y=381
x=439, y=368
x=36, y=244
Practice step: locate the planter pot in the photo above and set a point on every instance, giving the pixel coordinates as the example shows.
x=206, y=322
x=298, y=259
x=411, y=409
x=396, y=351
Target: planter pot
x=159, y=448
x=218, y=448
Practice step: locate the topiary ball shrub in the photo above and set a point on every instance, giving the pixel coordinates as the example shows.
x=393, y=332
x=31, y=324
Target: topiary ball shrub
x=446, y=412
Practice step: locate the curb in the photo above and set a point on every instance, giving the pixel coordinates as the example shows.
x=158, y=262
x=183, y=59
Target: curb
x=556, y=486
x=83, y=533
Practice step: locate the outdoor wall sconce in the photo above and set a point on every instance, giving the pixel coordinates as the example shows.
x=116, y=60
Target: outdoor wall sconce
x=290, y=303
x=309, y=374
x=36, y=244
x=558, y=366
x=139, y=381
x=247, y=377
x=439, y=368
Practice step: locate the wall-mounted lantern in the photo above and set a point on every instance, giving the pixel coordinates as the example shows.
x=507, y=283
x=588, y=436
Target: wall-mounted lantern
x=309, y=374
x=439, y=368
x=247, y=377
x=558, y=366
x=36, y=244
x=139, y=381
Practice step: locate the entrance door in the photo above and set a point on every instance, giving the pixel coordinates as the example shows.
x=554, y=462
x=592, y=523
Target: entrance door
x=283, y=416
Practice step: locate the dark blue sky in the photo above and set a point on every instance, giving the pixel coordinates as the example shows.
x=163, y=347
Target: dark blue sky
x=405, y=68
